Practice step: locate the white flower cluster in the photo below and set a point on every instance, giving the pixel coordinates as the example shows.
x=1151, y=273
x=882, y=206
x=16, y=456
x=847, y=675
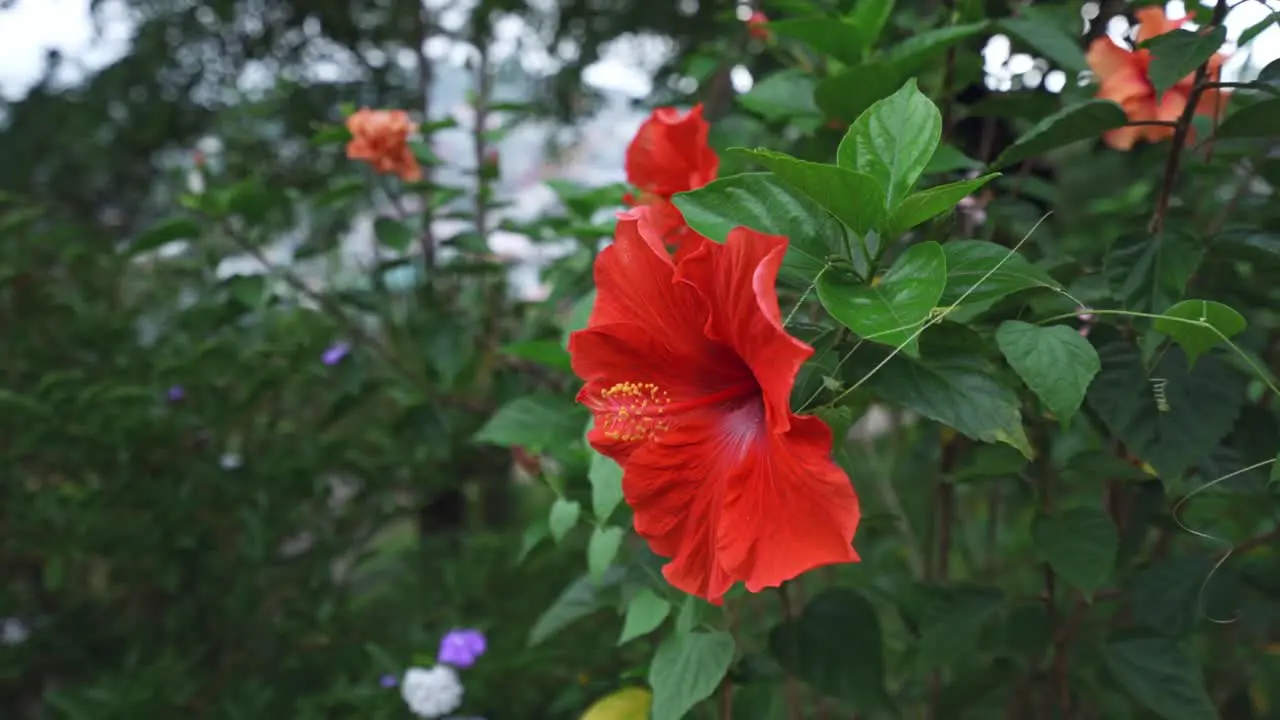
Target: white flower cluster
x=431, y=692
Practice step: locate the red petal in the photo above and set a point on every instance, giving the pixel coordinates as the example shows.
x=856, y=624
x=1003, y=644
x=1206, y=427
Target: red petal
x=739, y=280
x=728, y=501
x=670, y=153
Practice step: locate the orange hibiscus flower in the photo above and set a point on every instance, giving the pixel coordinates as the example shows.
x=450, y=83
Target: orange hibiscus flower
x=1124, y=79
x=688, y=374
x=381, y=138
x=669, y=155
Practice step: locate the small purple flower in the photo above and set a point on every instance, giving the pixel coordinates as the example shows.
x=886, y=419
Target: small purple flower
x=460, y=648
x=335, y=353
x=176, y=393
x=388, y=681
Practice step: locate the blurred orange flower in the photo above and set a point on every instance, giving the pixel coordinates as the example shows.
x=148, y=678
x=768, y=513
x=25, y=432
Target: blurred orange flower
x=1124, y=79
x=381, y=138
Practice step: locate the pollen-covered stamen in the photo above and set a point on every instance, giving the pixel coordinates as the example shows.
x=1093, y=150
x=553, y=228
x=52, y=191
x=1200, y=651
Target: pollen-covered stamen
x=632, y=411
x=639, y=411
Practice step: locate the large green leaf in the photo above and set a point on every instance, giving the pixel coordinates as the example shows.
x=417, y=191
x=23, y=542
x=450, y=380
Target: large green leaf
x=1161, y=674
x=1166, y=594
x=780, y=95
x=686, y=669
x=1086, y=121
x=763, y=202
x=919, y=207
x=829, y=36
x=602, y=549
x=951, y=383
x=1200, y=408
x=606, y=486
x=893, y=140
x=1055, y=362
x=580, y=599
x=535, y=422
x=1149, y=274
x=1177, y=53
x=1213, y=324
x=990, y=271
x=913, y=53
x=1257, y=120
x=892, y=311
x=816, y=648
x=392, y=234
x=847, y=94
x=857, y=199
x=164, y=232
x=564, y=515
x=870, y=16
x=1050, y=40
x=645, y=612
x=1079, y=544
x=952, y=622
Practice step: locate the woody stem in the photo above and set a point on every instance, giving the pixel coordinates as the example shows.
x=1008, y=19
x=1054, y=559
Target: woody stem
x=1181, y=130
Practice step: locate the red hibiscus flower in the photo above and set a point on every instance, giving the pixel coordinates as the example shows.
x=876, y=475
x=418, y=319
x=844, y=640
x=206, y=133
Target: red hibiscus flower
x=688, y=374
x=669, y=155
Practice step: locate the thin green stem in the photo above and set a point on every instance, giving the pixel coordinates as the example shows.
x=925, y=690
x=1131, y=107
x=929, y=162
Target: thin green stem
x=805, y=296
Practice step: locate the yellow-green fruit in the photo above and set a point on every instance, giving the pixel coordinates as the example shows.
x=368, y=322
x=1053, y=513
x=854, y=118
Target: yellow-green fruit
x=626, y=704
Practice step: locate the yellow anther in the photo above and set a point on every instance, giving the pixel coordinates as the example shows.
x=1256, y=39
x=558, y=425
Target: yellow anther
x=632, y=411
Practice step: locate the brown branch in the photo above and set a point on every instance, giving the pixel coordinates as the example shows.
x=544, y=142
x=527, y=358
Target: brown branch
x=1180, y=133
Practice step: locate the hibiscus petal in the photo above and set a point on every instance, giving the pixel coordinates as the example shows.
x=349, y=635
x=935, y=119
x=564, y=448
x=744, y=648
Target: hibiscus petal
x=635, y=283
x=670, y=154
x=789, y=509
x=1152, y=22
x=1107, y=58
x=739, y=280
x=729, y=501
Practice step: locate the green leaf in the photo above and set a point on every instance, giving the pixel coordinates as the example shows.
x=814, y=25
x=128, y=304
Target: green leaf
x=763, y=202
x=645, y=612
x=1257, y=29
x=912, y=53
x=952, y=624
x=948, y=159
x=689, y=614
x=892, y=311
x=857, y=199
x=579, y=599
x=606, y=486
x=392, y=234
x=1079, y=544
x=816, y=648
x=921, y=206
x=1214, y=323
x=782, y=95
x=829, y=36
x=564, y=516
x=970, y=261
x=1201, y=405
x=1166, y=594
x=1085, y=121
x=1049, y=40
x=869, y=17
x=1175, y=55
x=954, y=386
x=547, y=353
x=579, y=314
x=686, y=670
x=1055, y=362
x=1159, y=673
x=893, y=140
x=1257, y=120
x=532, y=537
x=165, y=232
x=602, y=549
x=847, y=94
x=1149, y=274
x=535, y=422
